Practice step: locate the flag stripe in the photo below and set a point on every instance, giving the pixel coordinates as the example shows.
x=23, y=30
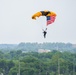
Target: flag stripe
x=50, y=19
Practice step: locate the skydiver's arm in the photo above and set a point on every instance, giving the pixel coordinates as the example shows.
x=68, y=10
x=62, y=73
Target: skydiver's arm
x=43, y=29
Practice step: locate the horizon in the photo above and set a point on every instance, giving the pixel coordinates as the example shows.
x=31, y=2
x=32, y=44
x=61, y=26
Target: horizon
x=40, y=42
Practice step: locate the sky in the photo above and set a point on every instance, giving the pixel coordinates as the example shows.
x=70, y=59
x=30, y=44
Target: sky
x=17, y=26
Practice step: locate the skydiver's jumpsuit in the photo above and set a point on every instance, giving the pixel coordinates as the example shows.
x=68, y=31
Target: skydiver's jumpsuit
x=45, y=34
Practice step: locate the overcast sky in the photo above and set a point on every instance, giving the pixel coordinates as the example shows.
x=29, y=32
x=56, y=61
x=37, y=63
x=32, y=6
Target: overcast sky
x=17, y=26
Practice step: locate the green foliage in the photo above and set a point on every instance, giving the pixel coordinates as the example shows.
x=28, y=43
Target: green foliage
x=34, y=63
x=33, y=47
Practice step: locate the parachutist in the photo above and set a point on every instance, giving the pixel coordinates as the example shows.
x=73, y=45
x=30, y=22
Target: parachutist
x=45, y=32
x=50, y=18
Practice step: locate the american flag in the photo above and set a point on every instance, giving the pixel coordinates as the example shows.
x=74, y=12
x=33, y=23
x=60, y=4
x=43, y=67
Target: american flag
x=50, y=19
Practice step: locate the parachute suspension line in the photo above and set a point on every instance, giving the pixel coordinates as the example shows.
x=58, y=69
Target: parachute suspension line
x=44, y=27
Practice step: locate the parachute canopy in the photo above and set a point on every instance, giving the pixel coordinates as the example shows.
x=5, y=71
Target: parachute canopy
x=50, y=16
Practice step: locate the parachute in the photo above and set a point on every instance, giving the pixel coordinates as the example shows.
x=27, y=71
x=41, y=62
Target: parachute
x=50, y=16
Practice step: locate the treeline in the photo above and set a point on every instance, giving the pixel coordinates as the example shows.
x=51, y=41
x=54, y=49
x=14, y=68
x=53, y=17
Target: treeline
x=34, y=47
x=33, y=63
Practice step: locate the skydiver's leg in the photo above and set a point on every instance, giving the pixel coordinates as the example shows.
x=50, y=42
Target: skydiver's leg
x=44, y=35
